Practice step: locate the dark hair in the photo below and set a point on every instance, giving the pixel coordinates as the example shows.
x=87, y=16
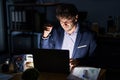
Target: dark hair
x=66, y=10
x=30, y=74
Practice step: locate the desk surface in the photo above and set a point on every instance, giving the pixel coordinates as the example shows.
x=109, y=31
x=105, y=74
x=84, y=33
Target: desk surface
x=54, y=76
x=44, y=76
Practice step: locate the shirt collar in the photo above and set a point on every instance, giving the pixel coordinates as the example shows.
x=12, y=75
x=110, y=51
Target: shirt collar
x=76, y=30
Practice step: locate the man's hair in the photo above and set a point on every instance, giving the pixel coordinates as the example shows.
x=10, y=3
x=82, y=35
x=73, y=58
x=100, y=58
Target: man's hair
x=66, y=10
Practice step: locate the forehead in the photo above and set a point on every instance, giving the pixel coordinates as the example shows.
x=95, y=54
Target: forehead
x=65, y=18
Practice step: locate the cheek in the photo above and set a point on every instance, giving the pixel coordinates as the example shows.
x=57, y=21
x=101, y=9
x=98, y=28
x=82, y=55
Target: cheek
x=63, y=25
x=71, y=25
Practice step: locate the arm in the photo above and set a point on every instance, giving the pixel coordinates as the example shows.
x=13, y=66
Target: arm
x=93, y=45
x=44, y=43
x=46, y=37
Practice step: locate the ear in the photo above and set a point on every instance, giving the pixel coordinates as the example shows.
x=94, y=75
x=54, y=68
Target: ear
x=57, y=17
x=76, y=18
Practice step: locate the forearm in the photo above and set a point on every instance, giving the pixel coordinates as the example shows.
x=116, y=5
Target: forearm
x=47, y=43
x=44, y=43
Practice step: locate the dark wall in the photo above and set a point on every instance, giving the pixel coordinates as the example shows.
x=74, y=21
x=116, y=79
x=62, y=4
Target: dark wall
x=3, y=41
x=108, y=52
x=98, y=10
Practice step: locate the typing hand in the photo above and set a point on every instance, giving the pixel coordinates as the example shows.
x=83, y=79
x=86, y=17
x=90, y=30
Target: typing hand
x=73, y=63
x=47, y=30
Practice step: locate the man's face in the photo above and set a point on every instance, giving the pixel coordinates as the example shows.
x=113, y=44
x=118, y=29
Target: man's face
x=67, y=23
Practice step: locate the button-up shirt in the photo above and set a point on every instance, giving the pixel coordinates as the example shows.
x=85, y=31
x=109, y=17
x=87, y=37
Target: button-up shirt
x=69, y=41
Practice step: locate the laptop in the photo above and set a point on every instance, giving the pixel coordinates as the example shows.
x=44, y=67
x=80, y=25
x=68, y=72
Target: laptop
x=51, y=60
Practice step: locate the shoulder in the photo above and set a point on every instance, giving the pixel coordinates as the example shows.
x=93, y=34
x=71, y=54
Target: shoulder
x=87, y=32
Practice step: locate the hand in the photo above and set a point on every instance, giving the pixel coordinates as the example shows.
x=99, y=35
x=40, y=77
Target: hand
x=73, y=63
x=47, y=30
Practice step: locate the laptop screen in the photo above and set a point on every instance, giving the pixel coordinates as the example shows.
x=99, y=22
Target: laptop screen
x=22, y=61
x=51, y=60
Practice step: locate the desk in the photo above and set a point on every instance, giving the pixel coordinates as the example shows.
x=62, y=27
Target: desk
x=44, y=76
x=52, y=76
x=55, y=76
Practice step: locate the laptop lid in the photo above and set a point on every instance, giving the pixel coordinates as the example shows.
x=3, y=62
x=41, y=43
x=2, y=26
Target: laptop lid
x=51, y=60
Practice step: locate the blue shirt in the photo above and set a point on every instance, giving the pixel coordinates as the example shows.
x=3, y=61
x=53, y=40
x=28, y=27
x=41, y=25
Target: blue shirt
x=69, y=41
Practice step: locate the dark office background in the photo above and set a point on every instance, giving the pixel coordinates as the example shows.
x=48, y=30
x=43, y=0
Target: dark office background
x=3, y=37
x=97, y=12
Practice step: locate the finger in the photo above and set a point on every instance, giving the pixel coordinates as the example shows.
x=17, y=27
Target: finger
x=48, y=28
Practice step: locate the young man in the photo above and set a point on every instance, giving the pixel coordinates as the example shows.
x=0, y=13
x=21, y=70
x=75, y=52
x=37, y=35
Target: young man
x=69, y=36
